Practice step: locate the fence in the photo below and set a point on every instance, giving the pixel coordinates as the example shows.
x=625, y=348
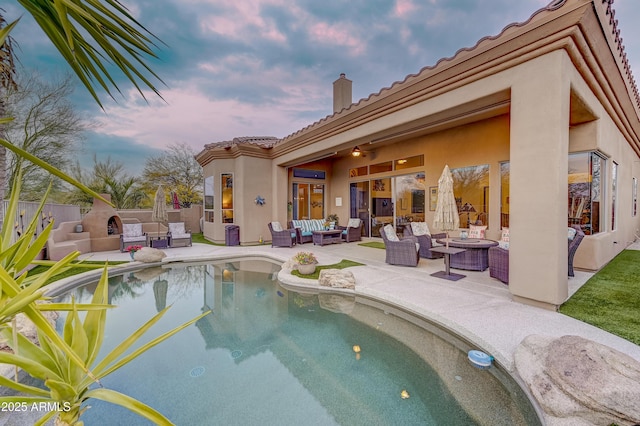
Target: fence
x=26, y=211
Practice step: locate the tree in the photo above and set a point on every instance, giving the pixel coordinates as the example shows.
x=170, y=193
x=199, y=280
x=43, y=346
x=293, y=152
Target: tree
x=176, y=170
x=45, y=125
x=107, y=177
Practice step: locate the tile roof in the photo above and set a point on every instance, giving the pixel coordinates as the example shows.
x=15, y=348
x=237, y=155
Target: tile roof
x=261, y=141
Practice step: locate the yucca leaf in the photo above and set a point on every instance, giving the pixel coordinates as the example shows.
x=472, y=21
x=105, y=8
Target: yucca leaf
x=68, y=307
x=34, y=368
x=22, y=388
x=125, y=360
x=61, y=391
x=95, y=320
x=131, y=404
x=28, y=349
x=4, y=32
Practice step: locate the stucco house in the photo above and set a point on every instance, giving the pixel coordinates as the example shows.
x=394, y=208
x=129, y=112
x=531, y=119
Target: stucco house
x=539, y=124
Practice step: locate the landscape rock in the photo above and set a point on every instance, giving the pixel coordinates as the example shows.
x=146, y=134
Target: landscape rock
x=149, y=255
x=580, y=382
x=26, y=327
x=337, y=278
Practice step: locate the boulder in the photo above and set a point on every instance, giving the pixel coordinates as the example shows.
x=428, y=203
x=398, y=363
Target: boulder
x=149, y=255
x=337, y=278
x=580, y=382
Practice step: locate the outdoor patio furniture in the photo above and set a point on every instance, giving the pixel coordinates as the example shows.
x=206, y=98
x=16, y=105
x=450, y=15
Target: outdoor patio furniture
x=353, y=230
x=304, y=229
x=178, y=235
x=400, y=251
x=476, y=255
x=499, y=257
x=426, y=241
x=327, y=237
x=132, y=235
x=281, y=237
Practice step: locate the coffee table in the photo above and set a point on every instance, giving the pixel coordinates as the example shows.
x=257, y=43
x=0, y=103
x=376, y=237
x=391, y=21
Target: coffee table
x=327, y=237
x=476, y=254
x=447, y=251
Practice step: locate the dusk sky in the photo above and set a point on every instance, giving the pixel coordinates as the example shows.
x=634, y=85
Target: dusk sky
x=266, y=67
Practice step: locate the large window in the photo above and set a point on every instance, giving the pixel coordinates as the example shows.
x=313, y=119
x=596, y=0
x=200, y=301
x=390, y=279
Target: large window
x=208, y=199
x=471, y=190
x=226, y=183
x=586, y=173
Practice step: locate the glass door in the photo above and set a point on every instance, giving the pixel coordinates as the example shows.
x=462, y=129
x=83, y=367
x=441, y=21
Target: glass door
x=381, y=205
x=359, y=204
x=308, y=201
x=409, y=200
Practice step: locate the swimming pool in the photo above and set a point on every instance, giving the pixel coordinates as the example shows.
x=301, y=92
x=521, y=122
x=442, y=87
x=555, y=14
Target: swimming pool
x=268, y=355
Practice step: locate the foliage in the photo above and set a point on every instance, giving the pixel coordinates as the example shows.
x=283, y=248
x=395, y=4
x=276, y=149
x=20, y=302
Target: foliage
x=68, y=384
x=344, y=263
x=46, y=125
x=373, y=244
x=107, y=177
x=177, y=171
x=305, y=258
x=199, y=238
x=610, y=299
x=333, y=218
x=89, y=35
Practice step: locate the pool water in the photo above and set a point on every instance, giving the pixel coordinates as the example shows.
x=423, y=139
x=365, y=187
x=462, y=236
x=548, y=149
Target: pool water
x=270, y=356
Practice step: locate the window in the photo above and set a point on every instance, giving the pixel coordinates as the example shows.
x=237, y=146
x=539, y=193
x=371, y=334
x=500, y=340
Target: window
x=614, y=194
x=358, y=171
x=387, y=166
x=504, y=194
x=308, y=201
x=585, y=206
x=471, y=189
x=406, y=163
x=226, y=183
x=309, y=174
x=208, y=199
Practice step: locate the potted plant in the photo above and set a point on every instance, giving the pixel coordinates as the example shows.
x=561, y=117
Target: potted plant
x=306, y=262
x=333, y=218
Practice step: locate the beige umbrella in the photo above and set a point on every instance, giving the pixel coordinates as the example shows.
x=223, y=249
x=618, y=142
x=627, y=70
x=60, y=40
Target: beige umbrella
x=160, y=288
x=446, y=217
x=159, y=213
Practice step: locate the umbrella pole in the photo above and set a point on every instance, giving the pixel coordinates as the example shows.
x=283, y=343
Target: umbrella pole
x=447, y=233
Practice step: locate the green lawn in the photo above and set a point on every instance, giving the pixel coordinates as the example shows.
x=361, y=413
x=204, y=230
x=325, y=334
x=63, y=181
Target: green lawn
x=610, y=300
x=373, y=244
x=341, y=265
x=85, y=266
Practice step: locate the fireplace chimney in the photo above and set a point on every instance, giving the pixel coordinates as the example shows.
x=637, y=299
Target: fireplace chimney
x=341, y=93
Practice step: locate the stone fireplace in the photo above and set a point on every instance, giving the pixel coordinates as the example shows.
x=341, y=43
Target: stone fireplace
x=104, y=225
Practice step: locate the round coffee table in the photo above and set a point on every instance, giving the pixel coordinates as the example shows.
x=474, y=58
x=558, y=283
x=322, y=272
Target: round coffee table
x=476, y=254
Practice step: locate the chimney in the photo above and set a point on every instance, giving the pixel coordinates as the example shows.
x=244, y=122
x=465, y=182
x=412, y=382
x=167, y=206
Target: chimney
x=341, y=93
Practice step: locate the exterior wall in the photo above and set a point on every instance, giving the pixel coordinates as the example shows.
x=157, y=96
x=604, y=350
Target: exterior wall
x=251, y=177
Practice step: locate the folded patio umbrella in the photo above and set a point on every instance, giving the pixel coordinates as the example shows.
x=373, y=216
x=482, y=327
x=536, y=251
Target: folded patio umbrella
x=446, y=217
x=159, y=212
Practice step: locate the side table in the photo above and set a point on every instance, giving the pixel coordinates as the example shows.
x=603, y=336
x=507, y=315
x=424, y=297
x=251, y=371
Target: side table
x=446, y=274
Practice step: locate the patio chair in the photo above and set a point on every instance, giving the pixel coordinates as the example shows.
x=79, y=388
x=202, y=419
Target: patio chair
x=178, y=235
x=499, y=257
x=281, y=237
x=353, y=230
x=425, y=238
x=132, y=235
x=400, y=251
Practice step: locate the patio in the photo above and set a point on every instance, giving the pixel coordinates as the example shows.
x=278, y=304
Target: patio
x=477, y=307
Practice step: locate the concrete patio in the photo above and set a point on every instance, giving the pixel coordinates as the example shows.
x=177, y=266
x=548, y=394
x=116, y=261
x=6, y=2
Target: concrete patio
x=478, y=308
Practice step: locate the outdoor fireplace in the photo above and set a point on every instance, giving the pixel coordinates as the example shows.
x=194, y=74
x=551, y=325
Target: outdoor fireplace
x=104, y=225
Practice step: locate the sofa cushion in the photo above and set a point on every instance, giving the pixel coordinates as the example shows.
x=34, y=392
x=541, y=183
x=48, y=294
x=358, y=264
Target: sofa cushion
x=420, y=228
x=390, y=233
x=571, y=233
x=503, y=245
x=276, y=226
x=505, y=235
x=477, y=231
x=177, y=228
x=353, y=223
x=132, y=229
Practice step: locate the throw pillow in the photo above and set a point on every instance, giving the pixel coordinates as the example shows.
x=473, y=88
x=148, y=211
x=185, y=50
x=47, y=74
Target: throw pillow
x=420, y=228
x=390, y=233
x=572, y=233
x=132, y=229
x=353, y=223
x=503, y=245
x=505, y=235
x=177, y=228
x=476, y=231
x=276, y=226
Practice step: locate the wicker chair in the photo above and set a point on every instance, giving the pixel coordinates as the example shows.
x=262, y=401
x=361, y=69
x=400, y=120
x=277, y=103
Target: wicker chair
x=401, y=252
x=425, y=243
x=352, y=233
x=499, y=258
x=284, y=238
x=132, y=234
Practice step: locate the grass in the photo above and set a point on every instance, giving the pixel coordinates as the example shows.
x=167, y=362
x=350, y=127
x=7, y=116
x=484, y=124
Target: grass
x=610, y=300
x=341, y=265
x=199, y=238
x=373, y=244
x=80, y=268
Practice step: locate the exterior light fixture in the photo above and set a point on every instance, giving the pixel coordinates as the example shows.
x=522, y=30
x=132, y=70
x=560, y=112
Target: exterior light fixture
x=356, y=152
